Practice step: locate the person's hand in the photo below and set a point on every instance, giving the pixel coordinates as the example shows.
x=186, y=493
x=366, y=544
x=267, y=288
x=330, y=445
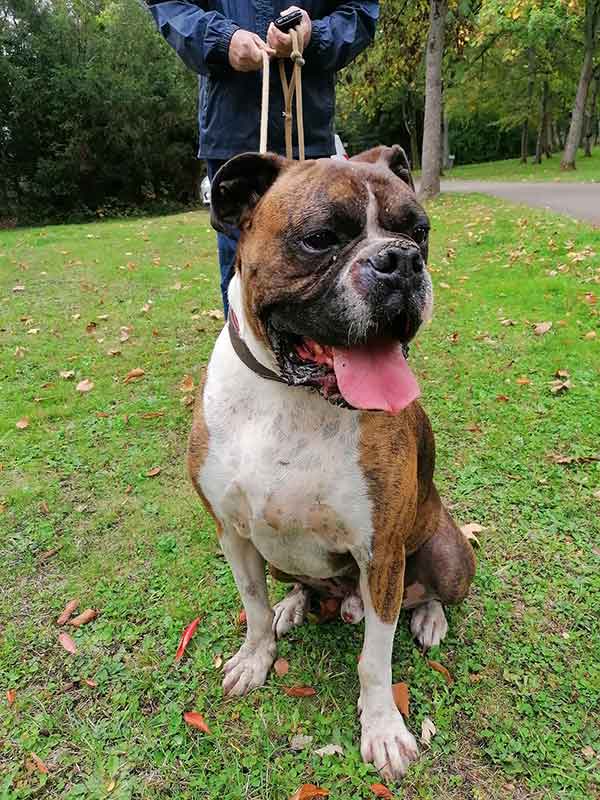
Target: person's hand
x=245, y=51
x=281, y=43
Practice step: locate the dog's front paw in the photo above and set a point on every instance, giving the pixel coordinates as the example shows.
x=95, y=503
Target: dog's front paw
x=290, y=611
x=249, y=667
x=388, y=744
x=428, y=624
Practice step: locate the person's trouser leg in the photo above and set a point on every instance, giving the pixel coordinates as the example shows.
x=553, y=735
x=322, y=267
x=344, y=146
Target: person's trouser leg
x=226, y=245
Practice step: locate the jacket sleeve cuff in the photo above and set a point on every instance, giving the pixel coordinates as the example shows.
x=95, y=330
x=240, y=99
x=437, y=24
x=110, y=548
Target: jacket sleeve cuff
x=316, y=44
x=220, y=53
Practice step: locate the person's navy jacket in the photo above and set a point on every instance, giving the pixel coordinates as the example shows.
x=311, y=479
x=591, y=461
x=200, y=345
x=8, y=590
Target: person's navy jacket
x=229, y=106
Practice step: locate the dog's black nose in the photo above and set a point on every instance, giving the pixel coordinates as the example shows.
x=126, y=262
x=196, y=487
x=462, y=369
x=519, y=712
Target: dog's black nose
x=403, y=259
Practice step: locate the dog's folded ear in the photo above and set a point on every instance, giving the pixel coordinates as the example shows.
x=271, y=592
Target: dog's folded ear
x=394, y=158
x=238, y=186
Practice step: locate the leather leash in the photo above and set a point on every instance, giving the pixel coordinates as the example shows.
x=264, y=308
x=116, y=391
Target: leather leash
x=294, y=87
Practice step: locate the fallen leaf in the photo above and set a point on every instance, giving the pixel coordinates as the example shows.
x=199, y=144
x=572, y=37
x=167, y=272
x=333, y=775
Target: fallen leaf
x=49, y=553
x=39, y=764
x=588, y=752
x=113, y=352
x=523, y=380
x=102, y=415
x=558, y=459
x=281, y=667
x=71, y=606
x=590, y=335
x=473, y=427
x=187, y=634
x=214, y=313
x=329, y=750
x=300, y=742
x=559, y=387
x=428, y=730
x=152, y=473
x=590, y=298
x=90, y=327
x=187, y=384
x=308, y=791
x=507, y=322
x=435, y=665
x=86, y=385
x=196, y=720
x=86, y=616
x=67, y=374
x=68, y=643
x=562, y=373
x=152, y=414
x=20, y=352
x=541, y=328
x=597, y=494
x=22, y=423
x=218, y=662
x=299, y=691
x=11, y=696
x=124, y=333
x=128, y=489
x=470, y=529
x=188, y=400
x=103, y=317
x=134, y=375
x=379, y=790
x=242, y=618
x=400, y=693
x=18, y=289
x=90, y=682
x=502, y=398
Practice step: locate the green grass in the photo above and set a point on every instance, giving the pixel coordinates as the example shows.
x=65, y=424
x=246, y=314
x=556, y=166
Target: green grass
x=588, y=169
x=520, y=720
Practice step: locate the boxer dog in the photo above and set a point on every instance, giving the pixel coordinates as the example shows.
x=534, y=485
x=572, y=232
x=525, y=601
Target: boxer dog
x=308, y=445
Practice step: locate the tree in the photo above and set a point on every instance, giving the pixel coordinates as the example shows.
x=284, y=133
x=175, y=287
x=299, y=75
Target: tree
x=432, y=127
x=592, y=26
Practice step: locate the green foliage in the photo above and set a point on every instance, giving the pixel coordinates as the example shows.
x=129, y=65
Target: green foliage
x=99, y=114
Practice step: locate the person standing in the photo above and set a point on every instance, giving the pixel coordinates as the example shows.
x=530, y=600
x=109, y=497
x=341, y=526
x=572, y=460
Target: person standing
x=223, y=41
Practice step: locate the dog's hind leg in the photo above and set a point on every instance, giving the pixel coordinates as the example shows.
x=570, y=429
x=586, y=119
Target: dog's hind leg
x=250, y=665
x=438, y=573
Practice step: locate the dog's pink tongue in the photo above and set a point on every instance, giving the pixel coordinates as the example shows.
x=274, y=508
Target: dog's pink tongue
x=375, y=377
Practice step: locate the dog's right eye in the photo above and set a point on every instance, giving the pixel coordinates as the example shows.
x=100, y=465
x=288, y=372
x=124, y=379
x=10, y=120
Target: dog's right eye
x=320, y=241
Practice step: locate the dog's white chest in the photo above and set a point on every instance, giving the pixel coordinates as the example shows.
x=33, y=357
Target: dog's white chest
x=283, y=469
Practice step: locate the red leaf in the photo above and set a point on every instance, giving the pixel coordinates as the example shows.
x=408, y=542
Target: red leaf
x=400, y=692
x=90, y=682
x=68, y=643
x=442, y=670
x=11, y=696
x=49, y=553
x=152, y=473
x=308, y=791
x=134, y=375
x=281, y=667
x=196, y=720
x=299, y=691
x=86, y=616
x=379, y=790
x=39, y=764
x=185, y=638
x=242, y=618
x=67, y=611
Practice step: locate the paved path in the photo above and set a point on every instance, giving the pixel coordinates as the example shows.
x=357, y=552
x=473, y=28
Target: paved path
x=579, y=200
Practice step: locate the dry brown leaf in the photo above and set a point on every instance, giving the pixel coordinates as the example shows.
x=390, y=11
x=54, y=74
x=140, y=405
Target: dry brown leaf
x=86, y=385
x=562, y=373
x=473, y=427
x=470, y=529
x=428, y=730
x=68, y=643
x=113, y=353
x=588, y=752
x=67, y=374
x=242, y=618
x=152, y=473
x=49, y=553
x=20, y=352
x=508, y=322
x=82, y=619
x=556, y=458
x=218, y=662
x=308, y=791
x=22, y=423
x=188, y=400
x=11, y=696
x=300, y=742
x=379, y=790
x=435, y=665
x=590, y=335
x=134, y=375
x=400, y=693
x=214, y=313
x=152, y=414
x=187, y=384
x=90, y=682
x=541, y=328
x=299, y=691
x=281, y=667
x=329, y=750
x=124, y=333
x=39, y=764
x=65, y=616
x=590, y=298
x=559, y=387
x=90, y=327
x=502, y=398
x=195, y=720
x=523, y=380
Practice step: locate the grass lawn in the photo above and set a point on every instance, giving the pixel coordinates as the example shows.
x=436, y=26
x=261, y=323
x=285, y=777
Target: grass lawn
x=588, y=169
x=521, y=718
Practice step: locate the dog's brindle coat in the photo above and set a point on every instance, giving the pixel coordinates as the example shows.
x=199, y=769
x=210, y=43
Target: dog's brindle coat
x=331, y=497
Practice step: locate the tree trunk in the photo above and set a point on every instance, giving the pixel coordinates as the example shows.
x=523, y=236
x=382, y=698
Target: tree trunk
x=592, y=119
x=592, y=13
x=525, y=128
x=539, y=147
x=410, y=123
x=432, y=128
x=445, y=142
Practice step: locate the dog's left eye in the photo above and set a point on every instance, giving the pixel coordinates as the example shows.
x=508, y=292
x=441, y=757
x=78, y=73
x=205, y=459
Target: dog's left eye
x=320, y=240
x=419, y=234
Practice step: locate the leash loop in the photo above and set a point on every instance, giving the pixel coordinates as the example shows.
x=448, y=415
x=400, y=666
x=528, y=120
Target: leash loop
x=290, y=89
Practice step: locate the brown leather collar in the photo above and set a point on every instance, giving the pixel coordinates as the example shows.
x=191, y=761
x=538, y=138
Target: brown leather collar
x=243, y=351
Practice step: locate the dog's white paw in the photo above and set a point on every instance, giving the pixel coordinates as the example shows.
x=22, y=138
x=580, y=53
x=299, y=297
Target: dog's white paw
x=428, y=624
x=387, y=743
x=249, y=667
x=290, y=611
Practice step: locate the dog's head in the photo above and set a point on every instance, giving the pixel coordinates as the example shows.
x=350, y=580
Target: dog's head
x=332, y=262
